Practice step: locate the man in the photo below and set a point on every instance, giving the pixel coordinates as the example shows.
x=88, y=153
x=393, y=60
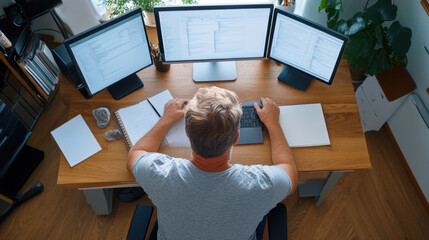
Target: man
x=207, y=197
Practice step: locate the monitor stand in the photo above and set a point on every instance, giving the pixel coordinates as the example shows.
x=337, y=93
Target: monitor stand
x=214, y=71
x=125, y=86
x=295, y=78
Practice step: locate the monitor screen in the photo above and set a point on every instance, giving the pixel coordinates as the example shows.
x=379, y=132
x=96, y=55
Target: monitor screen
x=198, y=33
x=216, y=32
x=111, y=52
x=305, y=46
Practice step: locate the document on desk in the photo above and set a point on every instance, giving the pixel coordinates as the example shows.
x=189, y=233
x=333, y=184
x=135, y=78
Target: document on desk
x=136, y=120
x=304, y=125
x=76, y=140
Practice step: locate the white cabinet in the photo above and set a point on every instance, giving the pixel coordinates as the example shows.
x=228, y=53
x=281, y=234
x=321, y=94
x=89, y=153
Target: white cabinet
x=411, y=133
x=374, y=108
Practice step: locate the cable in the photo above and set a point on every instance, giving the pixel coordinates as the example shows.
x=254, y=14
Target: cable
x=47, y=29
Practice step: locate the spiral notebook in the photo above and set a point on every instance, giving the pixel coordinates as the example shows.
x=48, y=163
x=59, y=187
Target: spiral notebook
x=136, y=120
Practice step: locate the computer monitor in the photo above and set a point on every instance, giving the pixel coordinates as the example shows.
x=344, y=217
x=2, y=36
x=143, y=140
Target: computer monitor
x=109, y=55
x=213, y=36
x=308, y=49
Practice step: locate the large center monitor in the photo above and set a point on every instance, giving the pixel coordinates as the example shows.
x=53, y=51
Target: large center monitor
x=109, y=55
x=307, y=49
x=213, y=36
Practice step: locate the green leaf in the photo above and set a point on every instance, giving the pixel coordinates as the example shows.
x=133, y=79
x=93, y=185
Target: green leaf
x=352, y=26
x=332, y=18
x=382, y=10
x=378, y=62
x=400, y=60
x=359, y=48
x=399, y=38
x=379, y=34
x=329, y=5
x=322, y=5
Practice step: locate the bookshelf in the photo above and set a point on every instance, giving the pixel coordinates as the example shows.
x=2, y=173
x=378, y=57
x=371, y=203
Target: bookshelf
x=28, y=78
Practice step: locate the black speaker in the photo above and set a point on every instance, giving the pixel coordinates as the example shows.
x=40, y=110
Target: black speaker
x=16, y=15
x=35, y=8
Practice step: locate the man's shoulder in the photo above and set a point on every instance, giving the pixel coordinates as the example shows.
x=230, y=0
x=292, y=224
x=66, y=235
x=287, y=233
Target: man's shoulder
x=154, y=160
x=260, y=173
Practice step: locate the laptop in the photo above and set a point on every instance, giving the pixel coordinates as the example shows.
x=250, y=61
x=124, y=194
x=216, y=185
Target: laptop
x=250, y=124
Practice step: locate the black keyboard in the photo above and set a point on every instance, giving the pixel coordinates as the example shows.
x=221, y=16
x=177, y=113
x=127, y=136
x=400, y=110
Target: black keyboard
x=249, y=118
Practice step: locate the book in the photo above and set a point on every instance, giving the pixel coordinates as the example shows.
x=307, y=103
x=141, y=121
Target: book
x=37, y=79
x=46, y=56
x=51, y=77
x=37, y=89
x=36, y=68
x=136, y=120
x=304, y=125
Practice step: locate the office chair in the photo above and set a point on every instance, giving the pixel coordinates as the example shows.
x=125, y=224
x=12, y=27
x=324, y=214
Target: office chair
x=277, y=223
x=17, y=161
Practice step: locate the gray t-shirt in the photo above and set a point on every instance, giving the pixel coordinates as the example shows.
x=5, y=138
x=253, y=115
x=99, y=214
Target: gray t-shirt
x=194, y=204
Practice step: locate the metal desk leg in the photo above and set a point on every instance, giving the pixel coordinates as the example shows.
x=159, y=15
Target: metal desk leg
x=319, y=188
x=100, y=199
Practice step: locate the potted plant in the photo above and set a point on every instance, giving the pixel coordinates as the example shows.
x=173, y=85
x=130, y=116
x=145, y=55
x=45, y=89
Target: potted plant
x=117, y=7
x=372, y=47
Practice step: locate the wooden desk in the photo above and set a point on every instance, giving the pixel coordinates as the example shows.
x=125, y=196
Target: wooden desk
x=255, y=79
x=347, y=151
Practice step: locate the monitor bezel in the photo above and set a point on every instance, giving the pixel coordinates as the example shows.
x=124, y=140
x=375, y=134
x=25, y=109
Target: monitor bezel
x=197, y=7
x=316, y=26
x=95, y=29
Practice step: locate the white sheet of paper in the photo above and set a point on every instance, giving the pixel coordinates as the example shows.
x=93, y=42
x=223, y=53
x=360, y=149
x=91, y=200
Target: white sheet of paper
x=176, y=135
x=76, y=140
x=304, y=125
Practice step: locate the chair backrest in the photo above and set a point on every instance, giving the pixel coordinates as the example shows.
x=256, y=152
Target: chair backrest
x=140, y=222
x=277, y=222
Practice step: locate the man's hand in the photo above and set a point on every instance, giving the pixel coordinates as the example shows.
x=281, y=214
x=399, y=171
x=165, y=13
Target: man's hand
x=269, y=114
x=173, y=110
x=150, y=142
x=280, y=152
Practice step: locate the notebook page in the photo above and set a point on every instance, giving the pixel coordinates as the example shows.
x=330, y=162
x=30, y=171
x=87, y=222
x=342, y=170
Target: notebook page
x=138, y=120
x=159, y=100
x=304, y=125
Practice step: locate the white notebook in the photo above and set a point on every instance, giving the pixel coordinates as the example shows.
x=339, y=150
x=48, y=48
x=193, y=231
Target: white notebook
x=304, y=125
x=136, y=120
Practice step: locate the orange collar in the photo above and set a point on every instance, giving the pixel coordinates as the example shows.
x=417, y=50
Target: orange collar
x=216, y=164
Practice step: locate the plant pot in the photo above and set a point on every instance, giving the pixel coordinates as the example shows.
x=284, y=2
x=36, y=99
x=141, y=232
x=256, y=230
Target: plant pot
x=149, y=19
x=357, y=76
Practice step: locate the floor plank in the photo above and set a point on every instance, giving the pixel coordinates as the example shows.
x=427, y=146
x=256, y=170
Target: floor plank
x=378, y=203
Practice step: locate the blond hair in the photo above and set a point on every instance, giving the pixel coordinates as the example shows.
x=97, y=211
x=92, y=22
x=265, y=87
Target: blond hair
x=212, y=119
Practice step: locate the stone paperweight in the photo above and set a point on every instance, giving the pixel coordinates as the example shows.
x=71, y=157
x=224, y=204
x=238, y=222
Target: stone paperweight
x=113, y=135
x=102, y=115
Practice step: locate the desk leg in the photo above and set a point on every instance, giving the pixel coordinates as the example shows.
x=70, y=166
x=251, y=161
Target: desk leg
x=319, y=188
x=100, y=199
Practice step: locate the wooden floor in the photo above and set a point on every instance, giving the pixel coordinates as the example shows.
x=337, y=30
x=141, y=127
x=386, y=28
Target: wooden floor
x=379, y=203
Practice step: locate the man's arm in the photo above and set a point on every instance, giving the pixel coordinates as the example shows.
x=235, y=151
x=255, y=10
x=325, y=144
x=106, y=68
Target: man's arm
x=281, y=154
x=152, y=140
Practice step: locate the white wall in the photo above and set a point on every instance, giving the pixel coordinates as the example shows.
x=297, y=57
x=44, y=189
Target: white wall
x=412, y=15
